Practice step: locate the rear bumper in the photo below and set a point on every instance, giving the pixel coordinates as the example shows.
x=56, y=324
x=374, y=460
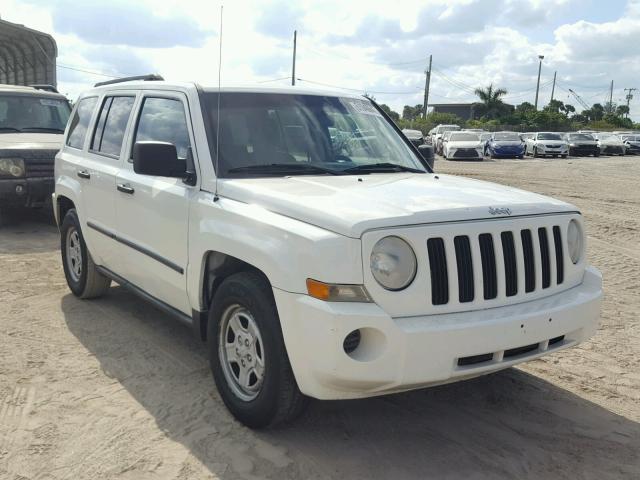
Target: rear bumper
x=25, y=192
x=397, y=354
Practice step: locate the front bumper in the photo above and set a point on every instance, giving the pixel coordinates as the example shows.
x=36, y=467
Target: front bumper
x=397, y=354
x=25, y=192
x=506, y=152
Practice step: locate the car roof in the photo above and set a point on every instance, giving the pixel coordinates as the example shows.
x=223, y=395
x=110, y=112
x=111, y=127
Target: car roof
x=245, y=88
x=26, y=90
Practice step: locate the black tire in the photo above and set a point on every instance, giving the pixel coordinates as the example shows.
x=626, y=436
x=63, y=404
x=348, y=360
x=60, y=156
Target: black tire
x=564, y=156
x=596, y=154
x=278, y=399
x=535, y=152
x=88, y=283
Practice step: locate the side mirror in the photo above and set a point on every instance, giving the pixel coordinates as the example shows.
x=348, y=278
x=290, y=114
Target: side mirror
x=427, y=153
x=157, y=158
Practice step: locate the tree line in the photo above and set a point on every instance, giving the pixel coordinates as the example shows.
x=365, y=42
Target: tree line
x=492, y=113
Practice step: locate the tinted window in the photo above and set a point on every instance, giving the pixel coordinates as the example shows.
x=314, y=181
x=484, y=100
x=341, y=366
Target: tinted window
x=112, y=124
x=549, y=136
x=80, y=122
x=29, y=113
x=163, y=120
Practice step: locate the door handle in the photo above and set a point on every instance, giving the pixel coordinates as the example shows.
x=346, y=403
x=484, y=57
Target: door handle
x=125, y=188
x=83, y=174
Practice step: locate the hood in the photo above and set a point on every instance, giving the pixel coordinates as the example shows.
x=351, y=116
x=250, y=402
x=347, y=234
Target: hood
x=507, y=143
x=471, y=144
x=611, y=141
x=31, y=141
x=350, y=204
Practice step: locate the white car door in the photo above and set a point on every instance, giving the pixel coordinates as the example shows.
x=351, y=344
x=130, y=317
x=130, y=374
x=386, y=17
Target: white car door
x=101, y=162
x=153, y=212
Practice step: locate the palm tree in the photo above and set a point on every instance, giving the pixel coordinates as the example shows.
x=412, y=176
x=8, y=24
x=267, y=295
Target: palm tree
x=492, y=104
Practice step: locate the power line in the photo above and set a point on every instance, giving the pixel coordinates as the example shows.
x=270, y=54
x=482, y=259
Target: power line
x=101, y=74
x=365, y=90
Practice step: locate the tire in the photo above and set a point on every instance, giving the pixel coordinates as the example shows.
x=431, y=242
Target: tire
x=564, y=156
x=81, y=273
x=520, y=157
x=246, y=300
x=596, y=154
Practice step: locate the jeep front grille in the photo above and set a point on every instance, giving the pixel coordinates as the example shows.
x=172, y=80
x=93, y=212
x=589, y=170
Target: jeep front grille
x=522, y=258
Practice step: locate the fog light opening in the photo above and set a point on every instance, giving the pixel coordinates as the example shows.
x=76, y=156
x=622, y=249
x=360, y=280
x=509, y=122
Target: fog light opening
x=351, y=342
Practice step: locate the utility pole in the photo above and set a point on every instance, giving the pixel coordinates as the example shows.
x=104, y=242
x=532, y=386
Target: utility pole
x=538, y=84
x=611, y=98
x=553, y=88
x=293, y=68
x=427, y=83
x=629, y=96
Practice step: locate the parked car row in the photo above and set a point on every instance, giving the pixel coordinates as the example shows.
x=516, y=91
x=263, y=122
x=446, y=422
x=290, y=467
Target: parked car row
x=452, y=142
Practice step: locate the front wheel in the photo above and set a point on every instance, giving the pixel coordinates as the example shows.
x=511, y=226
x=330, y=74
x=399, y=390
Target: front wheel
x=247, y=354
x=564, y=155
x=83, y=278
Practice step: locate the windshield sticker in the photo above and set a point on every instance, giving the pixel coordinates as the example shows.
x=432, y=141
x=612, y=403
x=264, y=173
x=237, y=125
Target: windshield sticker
x=50, y=103
x=363, y=107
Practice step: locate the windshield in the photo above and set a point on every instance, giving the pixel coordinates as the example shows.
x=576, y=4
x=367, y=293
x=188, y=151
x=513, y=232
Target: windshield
x=448, y=128
x=580, y=136
x=30, y=113
x=269, y=134
x=631, y=138
x=464, y=137
x=607, y=136
x=507, y=137
x=549, y=136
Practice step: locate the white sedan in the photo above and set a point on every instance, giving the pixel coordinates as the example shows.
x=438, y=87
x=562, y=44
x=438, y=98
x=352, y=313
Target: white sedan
x=463, y=145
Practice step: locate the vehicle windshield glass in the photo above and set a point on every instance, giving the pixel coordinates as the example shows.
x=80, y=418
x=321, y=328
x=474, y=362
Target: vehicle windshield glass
x=30, y=113
x=580, y=136
x=485, y=136
x=464, y=137
x=549, y=136
x=632, y=138
x=452, y=128
x=507, y=137
x=271, y=134
x=607, y=136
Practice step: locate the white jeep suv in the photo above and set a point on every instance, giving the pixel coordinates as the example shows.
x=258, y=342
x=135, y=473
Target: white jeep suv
x=315, y=264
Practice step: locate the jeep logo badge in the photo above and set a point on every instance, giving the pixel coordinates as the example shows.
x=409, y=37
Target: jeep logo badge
x=499, y=211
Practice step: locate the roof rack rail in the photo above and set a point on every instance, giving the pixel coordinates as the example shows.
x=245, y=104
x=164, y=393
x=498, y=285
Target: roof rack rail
x=45, y=87
x=147, y=78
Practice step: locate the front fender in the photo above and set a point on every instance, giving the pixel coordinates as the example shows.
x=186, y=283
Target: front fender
x=286, y=250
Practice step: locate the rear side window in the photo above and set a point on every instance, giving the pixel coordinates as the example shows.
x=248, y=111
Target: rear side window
x=111, y=125
x=80, y=122
x=164, y=120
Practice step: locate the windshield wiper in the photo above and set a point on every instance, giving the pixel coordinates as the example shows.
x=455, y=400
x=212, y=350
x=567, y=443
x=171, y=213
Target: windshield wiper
x=382, y=168
x=284, y=169
x=46, y=129
x=8, y=129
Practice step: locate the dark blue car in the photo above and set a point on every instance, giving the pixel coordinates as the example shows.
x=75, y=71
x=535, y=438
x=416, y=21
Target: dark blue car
x=505, y=144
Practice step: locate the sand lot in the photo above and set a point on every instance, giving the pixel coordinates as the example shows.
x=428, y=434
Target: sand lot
x=113, y=388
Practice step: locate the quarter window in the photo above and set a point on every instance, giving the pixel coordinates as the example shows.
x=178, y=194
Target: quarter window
x=111, y=125
x=80, y=122
x=164, y=120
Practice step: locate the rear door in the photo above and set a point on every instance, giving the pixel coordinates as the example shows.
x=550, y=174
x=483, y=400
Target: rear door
x=153, y=212
x=101, y=164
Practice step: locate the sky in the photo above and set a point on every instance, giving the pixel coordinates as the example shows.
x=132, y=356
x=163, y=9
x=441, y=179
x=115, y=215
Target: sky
x=379, y=46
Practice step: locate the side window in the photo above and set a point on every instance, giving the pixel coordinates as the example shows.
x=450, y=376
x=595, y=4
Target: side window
x=111, y=125
x=80, y=122
x=163, y=120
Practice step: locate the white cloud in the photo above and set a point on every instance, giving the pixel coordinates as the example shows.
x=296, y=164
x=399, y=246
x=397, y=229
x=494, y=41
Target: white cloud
x=377, y=45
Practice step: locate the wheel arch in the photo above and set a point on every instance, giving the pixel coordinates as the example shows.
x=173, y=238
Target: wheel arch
x=216, y=267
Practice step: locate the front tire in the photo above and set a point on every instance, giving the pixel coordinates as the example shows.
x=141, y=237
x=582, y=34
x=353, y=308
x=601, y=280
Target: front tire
x=81, y=273
x=247, y=354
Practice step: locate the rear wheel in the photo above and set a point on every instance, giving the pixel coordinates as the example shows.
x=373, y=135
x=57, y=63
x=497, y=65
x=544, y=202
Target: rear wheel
x=81, y=273
x=247, y=354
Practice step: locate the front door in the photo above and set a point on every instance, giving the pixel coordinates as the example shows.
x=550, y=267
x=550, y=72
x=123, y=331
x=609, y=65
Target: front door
x=153, y=212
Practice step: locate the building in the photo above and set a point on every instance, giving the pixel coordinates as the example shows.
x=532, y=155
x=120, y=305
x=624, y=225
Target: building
x=27, y=56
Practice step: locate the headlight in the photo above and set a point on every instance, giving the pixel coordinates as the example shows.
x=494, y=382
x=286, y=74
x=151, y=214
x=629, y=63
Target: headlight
x=11, y=167
x=393, y=263
x=575, y=241
x=572, y=144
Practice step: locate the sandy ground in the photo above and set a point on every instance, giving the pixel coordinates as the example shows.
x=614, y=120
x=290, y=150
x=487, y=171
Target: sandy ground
x=113, y=388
